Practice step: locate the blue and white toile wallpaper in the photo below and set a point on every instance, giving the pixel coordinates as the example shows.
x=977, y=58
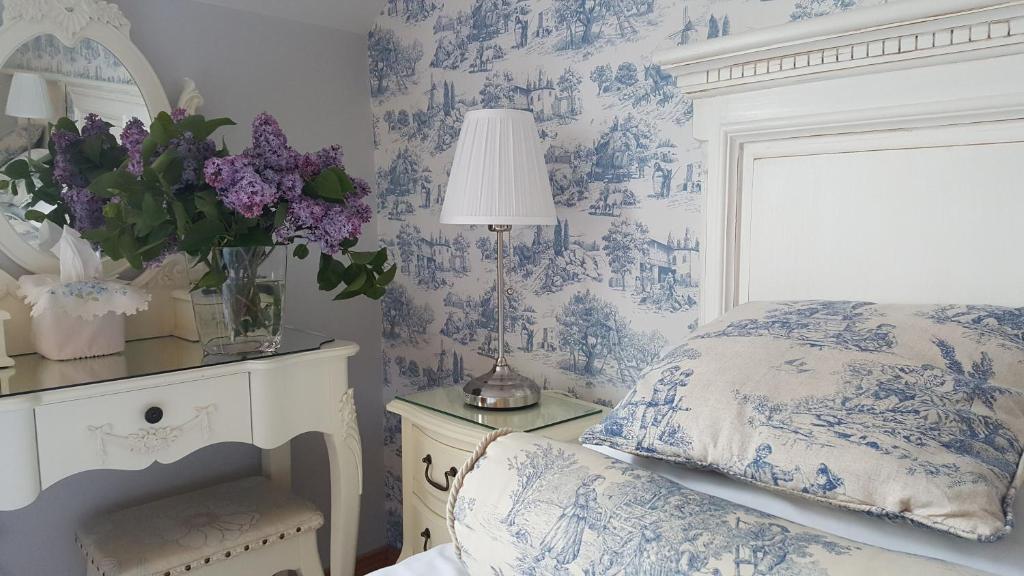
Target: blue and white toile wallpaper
x=88, y=60
x=600, y=296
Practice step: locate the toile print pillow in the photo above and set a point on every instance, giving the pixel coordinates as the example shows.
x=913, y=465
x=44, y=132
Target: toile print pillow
x=902, y=411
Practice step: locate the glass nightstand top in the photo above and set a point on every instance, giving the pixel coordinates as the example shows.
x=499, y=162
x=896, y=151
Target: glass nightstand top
x=552, y=410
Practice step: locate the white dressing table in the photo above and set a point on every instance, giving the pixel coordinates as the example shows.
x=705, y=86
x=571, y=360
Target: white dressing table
x=161, y=400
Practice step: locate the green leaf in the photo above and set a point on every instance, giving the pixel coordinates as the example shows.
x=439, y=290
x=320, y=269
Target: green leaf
x=35, y=216
x=388, y=275
x=181, y=219
x=202, y=235
x=153, y=212
x=346, y=295
x=114, y=183
x=213, y=278
x=5, y=184
x=207, y=204
x=280, y=214
x=327, y=186
x=301, y=251
x=68, y=125
x=363, y=257
x=201, y=128
x=358, y=282
x=17, y=170
x=375, y=292
x=92, y=148
x=253, y=237
x=161, y=164
x=331, y=272
x=162, y=130
x=380, y=259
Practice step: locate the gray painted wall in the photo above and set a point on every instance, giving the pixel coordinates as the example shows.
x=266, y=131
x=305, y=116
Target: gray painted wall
x=314, y=80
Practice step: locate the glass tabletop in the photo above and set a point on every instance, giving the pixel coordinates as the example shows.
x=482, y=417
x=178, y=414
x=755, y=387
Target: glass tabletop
x=553, y=409
x=33, y=373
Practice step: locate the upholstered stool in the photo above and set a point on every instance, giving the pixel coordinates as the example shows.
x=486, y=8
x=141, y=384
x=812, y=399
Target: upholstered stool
x=242, y=528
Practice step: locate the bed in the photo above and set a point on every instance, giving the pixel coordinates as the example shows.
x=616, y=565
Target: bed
x=873, y=156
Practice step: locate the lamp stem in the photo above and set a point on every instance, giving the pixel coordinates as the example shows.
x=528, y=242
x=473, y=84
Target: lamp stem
x=501, y=230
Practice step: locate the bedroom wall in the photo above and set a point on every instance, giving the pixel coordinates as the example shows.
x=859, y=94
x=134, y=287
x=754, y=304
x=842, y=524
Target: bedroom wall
x=314, y=79
x=598, y=297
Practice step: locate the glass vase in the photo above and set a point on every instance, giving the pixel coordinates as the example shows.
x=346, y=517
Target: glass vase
x=246, y=313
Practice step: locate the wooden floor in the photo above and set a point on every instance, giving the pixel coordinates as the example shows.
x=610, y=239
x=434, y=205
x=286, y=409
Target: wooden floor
x=375, y=560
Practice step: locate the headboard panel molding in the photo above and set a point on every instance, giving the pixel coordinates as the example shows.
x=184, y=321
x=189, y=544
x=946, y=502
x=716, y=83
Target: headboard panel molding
x=890, y=36
x=783, y=151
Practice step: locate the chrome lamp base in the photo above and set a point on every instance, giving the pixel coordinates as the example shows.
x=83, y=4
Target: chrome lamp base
x=502, y=388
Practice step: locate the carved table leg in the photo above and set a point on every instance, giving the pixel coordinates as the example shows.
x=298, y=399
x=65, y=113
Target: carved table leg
x=277, y=466
x=345, y=453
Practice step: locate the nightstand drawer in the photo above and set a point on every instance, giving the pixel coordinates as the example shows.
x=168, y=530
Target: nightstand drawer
x=436, y=463
x=131, y=430
x=423, y=528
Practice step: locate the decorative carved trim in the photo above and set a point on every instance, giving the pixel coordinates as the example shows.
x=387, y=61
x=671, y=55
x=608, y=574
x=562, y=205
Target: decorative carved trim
x=190, y=99
x=69, y=17
x=349, y=429
x=154, y=439
x=172, y=273
x=915, y=30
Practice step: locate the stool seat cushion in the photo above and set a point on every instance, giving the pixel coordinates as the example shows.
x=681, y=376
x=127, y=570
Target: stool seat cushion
x=183, y=533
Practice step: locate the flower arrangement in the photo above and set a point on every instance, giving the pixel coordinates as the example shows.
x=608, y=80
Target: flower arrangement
x=170, y=188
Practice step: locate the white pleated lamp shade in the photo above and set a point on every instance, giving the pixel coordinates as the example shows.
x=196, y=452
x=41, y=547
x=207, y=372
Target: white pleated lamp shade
x=499, y=176
x=29, y=97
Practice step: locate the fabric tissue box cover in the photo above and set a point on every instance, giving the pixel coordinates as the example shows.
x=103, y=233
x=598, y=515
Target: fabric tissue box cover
x=901, y=411
x=529, y=505
x=79, y=319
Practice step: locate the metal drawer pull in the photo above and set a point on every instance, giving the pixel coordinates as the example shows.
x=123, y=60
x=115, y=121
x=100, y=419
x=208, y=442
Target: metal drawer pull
x=426, y=538
x=451, y=473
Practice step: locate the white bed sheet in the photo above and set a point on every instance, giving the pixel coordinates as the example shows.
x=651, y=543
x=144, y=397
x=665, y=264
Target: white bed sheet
x=1004, y=558
x=438, y=561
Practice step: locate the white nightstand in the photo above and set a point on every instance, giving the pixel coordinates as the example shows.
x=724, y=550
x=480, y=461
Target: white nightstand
x=439, y=433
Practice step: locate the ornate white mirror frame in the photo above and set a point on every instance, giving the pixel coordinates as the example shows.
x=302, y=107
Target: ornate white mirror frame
x=72, y=21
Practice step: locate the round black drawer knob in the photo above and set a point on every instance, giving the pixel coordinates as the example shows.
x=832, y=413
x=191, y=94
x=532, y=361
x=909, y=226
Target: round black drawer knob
x=154, y=415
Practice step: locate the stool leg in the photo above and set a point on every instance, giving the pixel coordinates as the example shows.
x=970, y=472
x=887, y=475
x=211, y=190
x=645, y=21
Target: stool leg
x=309, y=556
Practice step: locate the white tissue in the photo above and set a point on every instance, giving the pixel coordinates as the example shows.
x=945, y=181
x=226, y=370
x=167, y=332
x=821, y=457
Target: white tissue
x=78, y=260
x=49, y=234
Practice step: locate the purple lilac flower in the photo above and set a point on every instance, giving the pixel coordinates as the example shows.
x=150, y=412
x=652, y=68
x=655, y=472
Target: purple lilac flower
x=239, y=186
x=270, y=148
x=179, y=114
x=85, y=209
x=132, y=137
x=169, y=250
x=64, y=171
x=194, y=154
x=311, y=165
x=362, y=188
x=94, y=125
x=323, y=223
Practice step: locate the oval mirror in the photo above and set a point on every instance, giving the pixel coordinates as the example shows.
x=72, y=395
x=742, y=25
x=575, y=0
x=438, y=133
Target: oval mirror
x=92, y=70
x=40, y=82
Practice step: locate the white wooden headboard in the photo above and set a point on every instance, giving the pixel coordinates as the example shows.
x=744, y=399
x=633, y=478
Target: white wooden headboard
x=873, y=155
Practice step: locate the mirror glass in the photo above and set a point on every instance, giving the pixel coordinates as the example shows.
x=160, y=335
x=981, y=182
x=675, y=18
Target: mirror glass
x=42, y=81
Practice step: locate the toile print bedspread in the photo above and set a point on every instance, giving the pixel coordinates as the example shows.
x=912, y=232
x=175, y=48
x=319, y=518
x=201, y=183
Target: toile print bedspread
x=535, y=507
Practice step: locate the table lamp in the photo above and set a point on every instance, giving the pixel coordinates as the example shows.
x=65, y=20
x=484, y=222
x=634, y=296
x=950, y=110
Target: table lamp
x=499, y=179
x=29, y=97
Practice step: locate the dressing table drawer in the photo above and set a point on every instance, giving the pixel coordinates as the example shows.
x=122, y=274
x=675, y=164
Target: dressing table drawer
x=131, y=430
